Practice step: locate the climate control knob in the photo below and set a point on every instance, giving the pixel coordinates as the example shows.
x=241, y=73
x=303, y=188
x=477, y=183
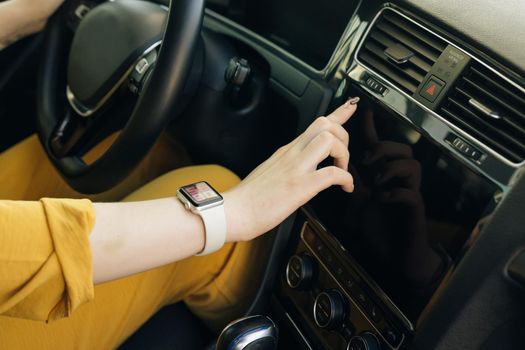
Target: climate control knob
x=300, y=271
x=329, y=309
x=365, y=341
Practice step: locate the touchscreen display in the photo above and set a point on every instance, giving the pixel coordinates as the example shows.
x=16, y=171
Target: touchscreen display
x=308, y=29
x=413, y=211
x=201, y=193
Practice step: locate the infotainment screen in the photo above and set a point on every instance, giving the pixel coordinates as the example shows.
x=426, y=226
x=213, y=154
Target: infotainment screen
x=413, y=212
x=308, y=29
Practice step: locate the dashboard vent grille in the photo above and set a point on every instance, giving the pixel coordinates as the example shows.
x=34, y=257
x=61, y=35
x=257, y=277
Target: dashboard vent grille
x=392, y=29
x=490, y=109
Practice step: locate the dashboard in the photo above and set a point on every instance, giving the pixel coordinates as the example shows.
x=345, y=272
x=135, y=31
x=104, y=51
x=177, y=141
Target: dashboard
x=303, y=28
x=438, y=149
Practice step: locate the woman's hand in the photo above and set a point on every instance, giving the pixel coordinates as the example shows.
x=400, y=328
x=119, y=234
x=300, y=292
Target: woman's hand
x=290, y=178
x=162, y=231
x=19, y=18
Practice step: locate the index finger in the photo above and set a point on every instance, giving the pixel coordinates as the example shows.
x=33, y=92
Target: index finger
x=343, y=113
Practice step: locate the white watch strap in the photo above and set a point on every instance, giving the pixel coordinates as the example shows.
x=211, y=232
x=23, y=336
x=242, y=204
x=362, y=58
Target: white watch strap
x=215, y=226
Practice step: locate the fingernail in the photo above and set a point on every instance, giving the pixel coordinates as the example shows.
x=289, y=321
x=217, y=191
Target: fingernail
x=354, y=101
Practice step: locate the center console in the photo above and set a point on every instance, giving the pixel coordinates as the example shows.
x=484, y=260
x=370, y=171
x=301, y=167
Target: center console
x=365, y=267
x=333, y=298
x=431, y=162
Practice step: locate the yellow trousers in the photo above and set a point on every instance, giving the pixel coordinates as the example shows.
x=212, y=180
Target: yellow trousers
x=215, y=287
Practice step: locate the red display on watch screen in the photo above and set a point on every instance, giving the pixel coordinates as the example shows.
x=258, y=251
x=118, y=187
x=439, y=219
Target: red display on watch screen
x=201, y=193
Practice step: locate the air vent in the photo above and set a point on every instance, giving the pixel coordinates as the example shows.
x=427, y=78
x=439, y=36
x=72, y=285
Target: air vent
x=392, y=30
x=489, y=108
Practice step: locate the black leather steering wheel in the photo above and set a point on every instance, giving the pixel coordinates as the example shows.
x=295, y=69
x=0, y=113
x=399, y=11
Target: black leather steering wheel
x=111, y=43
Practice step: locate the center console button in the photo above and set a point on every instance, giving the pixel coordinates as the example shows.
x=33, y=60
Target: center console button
x=392, y=335
x=329, y=309
x=374, y=312
x=300, y=271
x=360, y=296
x=365, y=341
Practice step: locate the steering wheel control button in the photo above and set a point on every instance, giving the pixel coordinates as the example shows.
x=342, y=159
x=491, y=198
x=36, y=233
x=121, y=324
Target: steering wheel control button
x=81, y=11
x=300, y=271
x=366, y=341
x=329, y=309
x=142, y=70
x=142, y=66
x=432, y=89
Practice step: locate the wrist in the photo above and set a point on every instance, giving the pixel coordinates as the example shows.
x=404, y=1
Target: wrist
x=37, y=11
x=195, y=225
x=236, y=221
x=20, y=18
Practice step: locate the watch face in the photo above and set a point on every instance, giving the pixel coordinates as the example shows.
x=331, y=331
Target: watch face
x=201, y=194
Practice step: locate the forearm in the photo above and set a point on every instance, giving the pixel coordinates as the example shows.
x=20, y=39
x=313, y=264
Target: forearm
x=19, y=18
x=133, y=237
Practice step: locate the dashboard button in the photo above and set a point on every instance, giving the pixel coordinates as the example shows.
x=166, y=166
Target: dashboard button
x=375, y=86
x=465, y=148
x=329, y=309
x=349, y=281
x=348, y=330
x=360, y=296
x=300, y=271
x=373, y=311
x=392, y=336
x=432, y=88
x=365, y=341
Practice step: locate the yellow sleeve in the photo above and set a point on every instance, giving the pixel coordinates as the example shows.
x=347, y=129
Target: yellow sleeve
x=45, y=258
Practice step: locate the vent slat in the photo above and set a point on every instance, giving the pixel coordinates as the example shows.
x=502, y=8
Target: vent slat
x=458, y=121
x=512, y=92
x=387, y=71
x=409, y=42
x=471, y=100
x=420, y=62
x=505, y=137
x=517, y=127
x=493, y=97
x=409, y=72
x=398, y=30
x=381, y=38
x=418, y=32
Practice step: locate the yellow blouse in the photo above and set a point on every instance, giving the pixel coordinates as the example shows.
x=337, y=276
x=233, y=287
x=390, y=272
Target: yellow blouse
x=45, y=257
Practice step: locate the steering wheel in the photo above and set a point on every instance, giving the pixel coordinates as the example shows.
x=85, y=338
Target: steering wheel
x=114, y=47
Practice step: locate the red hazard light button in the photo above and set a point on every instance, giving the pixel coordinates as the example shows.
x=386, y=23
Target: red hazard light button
x=432, y=88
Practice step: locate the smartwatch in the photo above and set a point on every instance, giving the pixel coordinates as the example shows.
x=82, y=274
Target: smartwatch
x=201, y=199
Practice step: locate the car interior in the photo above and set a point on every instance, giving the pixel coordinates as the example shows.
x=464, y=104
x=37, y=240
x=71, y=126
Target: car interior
x=427, y=253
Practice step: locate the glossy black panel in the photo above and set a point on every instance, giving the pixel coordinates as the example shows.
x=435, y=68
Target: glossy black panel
x=413, y=212
x=308, y=29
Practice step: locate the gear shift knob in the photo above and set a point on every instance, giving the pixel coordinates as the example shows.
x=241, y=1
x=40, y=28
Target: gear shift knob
x=249, y=333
